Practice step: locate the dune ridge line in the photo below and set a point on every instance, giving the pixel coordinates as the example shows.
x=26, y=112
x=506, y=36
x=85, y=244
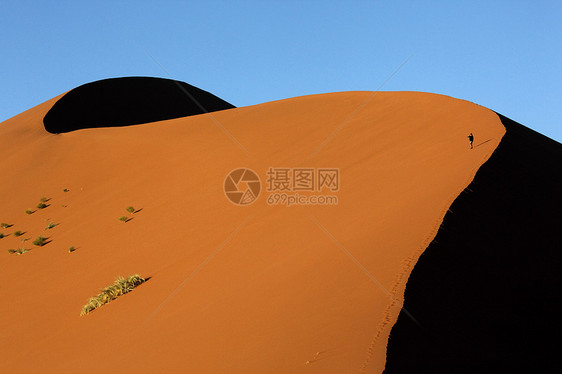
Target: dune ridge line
x=410, y=262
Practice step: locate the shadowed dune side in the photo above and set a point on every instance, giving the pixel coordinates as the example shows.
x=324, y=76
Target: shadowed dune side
x=485, y=290
x=128, y=101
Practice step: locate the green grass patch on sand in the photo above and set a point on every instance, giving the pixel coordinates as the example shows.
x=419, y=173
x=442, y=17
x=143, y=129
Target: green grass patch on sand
x=120, y=287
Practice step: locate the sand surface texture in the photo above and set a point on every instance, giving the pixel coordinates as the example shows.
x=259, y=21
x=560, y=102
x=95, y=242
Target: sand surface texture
x=233, y=289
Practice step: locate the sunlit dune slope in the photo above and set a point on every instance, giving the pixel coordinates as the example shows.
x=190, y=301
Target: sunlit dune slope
x=233, y=289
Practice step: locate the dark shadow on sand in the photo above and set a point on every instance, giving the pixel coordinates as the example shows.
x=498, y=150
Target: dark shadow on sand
x=484, y=142
x=128, y=101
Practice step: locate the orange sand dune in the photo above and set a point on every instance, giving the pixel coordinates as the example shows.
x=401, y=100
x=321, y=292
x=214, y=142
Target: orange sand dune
x=232, y=289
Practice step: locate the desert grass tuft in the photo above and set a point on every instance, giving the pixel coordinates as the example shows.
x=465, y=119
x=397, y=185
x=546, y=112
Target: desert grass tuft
x=29, y=211
x=130, y=209
x=123, y=219
x=119, y=288
x=21, y=251
x=5, y=225
x=40, y=241
x=71, y=249
x=41, y=206
x=50, y=225
x=2, y=236
x=11, y=251
x=44, y=200
x=66, y=190
x=18, y=233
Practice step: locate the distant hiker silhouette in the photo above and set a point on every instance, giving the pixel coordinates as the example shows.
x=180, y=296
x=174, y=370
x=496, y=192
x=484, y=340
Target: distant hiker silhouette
x=470, y=139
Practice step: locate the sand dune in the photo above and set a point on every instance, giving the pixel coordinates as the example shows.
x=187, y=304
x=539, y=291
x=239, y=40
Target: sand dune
x=232, y=289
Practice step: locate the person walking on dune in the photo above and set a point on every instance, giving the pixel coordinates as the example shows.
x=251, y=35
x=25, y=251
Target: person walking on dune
x=470, y=139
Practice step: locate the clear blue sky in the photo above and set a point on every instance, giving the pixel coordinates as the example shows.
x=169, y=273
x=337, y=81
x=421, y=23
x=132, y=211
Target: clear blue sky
x=504, y=55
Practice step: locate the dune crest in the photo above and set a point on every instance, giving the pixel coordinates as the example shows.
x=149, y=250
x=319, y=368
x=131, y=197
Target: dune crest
x=487, y=287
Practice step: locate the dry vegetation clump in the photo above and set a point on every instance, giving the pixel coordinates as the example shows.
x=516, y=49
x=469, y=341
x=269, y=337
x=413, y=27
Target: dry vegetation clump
x=18, y=251
x=40, y=241
x=120, y=287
